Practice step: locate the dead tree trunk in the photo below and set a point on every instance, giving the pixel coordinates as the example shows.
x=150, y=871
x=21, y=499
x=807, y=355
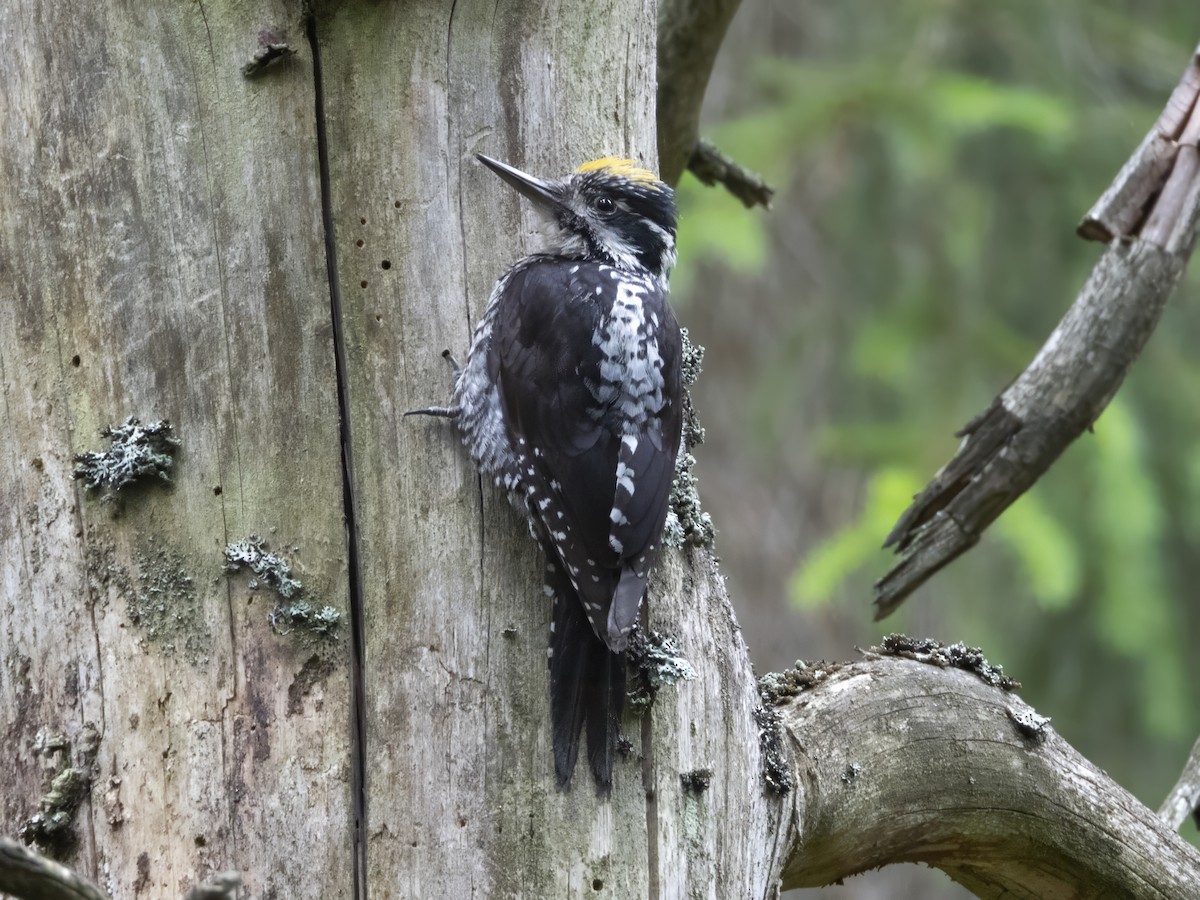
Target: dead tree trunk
x=165, y=255
x=264, y=225
x=161, y=256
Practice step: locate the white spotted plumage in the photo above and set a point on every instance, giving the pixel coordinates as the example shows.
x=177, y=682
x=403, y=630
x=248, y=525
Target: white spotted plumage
x=570, y=401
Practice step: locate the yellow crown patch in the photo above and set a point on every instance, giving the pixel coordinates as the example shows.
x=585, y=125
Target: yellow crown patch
x=626, y=168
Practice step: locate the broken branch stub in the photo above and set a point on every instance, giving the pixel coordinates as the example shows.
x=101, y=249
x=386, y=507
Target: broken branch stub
x=1149, y=219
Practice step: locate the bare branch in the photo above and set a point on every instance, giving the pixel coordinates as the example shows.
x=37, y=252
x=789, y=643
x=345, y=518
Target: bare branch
x=1184, y=798
x=897, y=760
x=27, y=874
x=1122, y=207
x=711, y=166
x=689, y=35
x=1149, y=216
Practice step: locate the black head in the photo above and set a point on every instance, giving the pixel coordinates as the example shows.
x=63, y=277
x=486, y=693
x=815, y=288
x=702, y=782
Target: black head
x=608, y=209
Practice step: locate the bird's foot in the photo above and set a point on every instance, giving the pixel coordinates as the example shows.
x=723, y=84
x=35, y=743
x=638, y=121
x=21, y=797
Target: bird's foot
x=442, y=412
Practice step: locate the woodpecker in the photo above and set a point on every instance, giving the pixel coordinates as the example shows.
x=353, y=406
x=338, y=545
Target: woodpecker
x=570, y=400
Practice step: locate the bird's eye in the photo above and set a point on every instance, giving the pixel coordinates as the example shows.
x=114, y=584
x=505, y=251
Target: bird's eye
x=604, y=204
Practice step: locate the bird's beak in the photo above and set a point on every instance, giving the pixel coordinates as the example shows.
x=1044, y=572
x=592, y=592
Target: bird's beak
x=542, y=193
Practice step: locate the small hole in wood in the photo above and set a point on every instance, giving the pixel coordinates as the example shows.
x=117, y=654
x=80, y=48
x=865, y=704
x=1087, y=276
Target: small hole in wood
x=217, y=491
x=359, y=242
x=362, y=284
x=386, y=264
x=396, y=204
x=597, y=884
x=362, y=221
x=75, y=360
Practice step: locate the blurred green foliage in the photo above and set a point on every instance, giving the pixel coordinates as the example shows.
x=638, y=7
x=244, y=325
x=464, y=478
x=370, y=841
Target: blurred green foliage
x=933, y=158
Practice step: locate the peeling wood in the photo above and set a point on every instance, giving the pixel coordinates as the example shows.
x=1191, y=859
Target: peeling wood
x=1149, y=217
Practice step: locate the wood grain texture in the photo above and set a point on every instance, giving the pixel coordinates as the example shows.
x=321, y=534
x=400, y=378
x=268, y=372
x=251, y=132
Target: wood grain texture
x=1183, y=799
x=900, y=760
x=161, y=256
x=1149, y=219
x=460, y=779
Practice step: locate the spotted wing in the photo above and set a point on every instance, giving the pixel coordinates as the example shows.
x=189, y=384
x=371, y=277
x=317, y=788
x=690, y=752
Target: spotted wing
x=597, y=475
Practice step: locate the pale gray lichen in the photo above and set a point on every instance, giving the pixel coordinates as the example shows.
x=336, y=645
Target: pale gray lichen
x=51, y=824
x=50, y=827
x=298, y=613
x=775, y=689
x=776, y=774
x=656, y=662
x=287, y=617
x=691, y=365
x=273, y=569
x=686, y=522
x=947, y=656
x=1029, y=723
x=137, y=451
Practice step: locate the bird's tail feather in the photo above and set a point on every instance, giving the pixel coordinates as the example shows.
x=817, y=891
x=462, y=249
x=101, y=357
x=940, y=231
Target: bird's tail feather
x=587, y=687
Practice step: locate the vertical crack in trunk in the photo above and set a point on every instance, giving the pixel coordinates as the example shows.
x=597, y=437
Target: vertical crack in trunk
x=358, y=712
x=654, y=888
x=649, y=788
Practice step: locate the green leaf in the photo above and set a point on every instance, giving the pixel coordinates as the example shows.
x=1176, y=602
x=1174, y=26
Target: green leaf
x=714, y=226
x=1045, y=549
x=969, y=104
x=817, y=579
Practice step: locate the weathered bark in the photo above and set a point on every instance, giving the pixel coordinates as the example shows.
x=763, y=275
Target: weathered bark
x=897, y=760
x=161, y=256
x=1149, y=218
x=275, y=264
x=25, y=873
x=461, y=787
x=165, y=257
x=690, y=34
x=1183, y=799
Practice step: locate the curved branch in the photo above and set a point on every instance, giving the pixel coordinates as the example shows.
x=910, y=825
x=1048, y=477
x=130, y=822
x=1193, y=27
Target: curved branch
x=1184, y=798
x=897, y=760
x=689, y=35
x=1149, y=216
x=24, y=873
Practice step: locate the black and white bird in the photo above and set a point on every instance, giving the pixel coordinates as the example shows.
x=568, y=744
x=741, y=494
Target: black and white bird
x=570, y=400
